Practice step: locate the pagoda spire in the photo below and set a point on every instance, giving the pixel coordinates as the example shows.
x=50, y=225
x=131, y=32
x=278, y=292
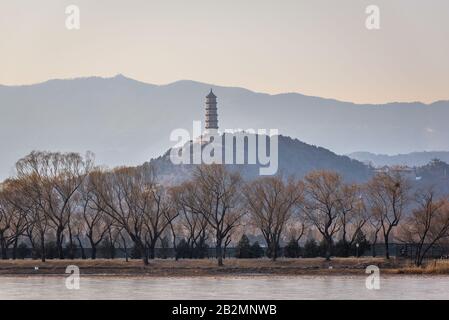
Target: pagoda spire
x=211, y=111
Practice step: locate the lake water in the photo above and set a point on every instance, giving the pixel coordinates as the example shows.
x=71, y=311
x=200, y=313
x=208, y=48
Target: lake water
x=248, y=287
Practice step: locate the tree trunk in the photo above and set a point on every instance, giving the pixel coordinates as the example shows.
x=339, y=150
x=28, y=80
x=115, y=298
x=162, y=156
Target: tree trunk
x=59, y=243
x=174, y=242
x=93, y=253
x=219, y=254
x=43, y=248
x=139, y=244
x=192, y=249
x=111, y=249
x=373, y=246
x=71, y=246
x=14, y=248
x=387, y=248
x=126, y=251
x=328, y=249
x=34, y=252
x=83, y=253
x=125, y=247
x=145, y=256
x=93, y=246
x=143, y=251
x=152, y=248
x=274, y=251
x=3, y=249
x=33, y=247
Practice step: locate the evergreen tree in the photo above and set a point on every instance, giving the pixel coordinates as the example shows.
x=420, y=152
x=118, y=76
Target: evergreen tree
x=364, y=244
x=311, y=249
x=244, y=248
x=292, y=250
x=182, y=249
x=256, y=250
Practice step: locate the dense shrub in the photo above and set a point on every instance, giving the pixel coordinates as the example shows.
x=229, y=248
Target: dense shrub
x=23, y=251
x=311, y=249
x=345, y=249
x=342, y=249
x=51, y=250
x=364, y=244
x=322, y=248
x=256, y=250
x=270, y=249
x=201, y=251
x=107, y=249
x=243, y=250
x=70, y=251
x=185, y=251
x=292, y=249
x=164, y=251
x=135, y=253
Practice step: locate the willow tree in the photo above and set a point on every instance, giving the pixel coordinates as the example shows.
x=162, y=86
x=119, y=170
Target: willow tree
x=215, y=194
x=136, y=203
x=271, y=203
x=322, y=204
x=388, y=196
x=12, y=218
x=192, y=226
x=427, y=225
x=52, y=179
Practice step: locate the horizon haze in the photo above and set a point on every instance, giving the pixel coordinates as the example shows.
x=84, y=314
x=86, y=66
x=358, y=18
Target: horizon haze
x=319, y=48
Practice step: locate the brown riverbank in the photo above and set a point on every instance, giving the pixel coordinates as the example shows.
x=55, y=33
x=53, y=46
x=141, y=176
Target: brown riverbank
x=232, y=267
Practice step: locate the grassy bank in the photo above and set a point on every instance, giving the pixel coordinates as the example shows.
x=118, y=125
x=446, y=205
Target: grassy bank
x=208, y=267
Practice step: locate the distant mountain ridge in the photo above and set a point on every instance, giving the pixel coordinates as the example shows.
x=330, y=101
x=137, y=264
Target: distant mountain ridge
x=127, y=122
x=413, y=159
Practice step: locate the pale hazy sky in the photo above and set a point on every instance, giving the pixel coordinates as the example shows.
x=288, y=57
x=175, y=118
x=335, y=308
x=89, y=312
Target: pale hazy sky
x=314, y=47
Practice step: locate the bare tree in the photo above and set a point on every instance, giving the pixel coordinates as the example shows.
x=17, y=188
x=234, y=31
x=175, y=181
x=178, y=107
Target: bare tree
x=124, y=240
x=54, y=179
x=37, y=223
x=118, y=194
x=216, y=194
x=375, y=225
x=296, y=229
x=94, y=222
x=271, y=203
x=12, y=219
x=388, y=197
x=78, y=227
x=159, y=213
x=111, y=239
x=428, y=224
x=322, y=204
x=192, y=225
x=132, y=198
x=353, y=214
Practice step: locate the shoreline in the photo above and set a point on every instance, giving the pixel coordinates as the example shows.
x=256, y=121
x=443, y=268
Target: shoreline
x=232, y=267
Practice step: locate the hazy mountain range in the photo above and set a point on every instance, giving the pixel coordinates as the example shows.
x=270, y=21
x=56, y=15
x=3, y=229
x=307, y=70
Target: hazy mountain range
x=413, y=159
x=127, y=122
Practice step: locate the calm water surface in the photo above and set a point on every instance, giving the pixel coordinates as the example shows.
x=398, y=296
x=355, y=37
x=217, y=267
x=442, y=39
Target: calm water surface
x=250, y=287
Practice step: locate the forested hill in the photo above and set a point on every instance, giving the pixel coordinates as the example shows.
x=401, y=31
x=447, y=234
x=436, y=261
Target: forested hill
x=296, y=158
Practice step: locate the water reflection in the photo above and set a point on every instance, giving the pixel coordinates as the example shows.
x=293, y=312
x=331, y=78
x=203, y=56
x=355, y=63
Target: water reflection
x=257, y=287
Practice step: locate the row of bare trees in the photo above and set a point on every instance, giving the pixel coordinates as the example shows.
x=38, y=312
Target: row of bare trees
x=63, y=196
